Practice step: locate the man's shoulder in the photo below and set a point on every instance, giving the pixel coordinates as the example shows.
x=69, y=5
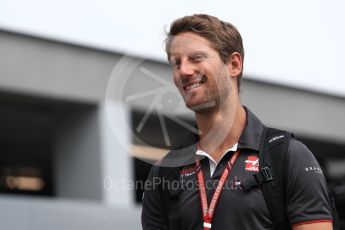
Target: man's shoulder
x=180, y=155
x=298, y=152
x=295, y=145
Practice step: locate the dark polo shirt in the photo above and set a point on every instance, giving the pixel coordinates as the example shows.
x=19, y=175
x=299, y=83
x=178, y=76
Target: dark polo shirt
x=306, y=190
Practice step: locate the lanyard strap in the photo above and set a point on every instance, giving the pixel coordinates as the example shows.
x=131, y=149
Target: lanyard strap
x=209, y=211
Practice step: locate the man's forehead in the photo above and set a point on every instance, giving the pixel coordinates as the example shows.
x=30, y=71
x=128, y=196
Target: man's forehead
x=188, y=39
x=189, y=45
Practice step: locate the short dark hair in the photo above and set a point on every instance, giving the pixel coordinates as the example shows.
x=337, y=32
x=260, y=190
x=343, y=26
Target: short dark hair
x=224, y=36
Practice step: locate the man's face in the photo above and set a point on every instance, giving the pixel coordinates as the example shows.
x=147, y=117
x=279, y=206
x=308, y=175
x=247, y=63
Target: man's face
x=199, y=73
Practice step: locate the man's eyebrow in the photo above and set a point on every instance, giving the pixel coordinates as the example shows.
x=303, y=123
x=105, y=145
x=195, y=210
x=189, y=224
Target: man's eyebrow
x=199, y=53
x=193, y=53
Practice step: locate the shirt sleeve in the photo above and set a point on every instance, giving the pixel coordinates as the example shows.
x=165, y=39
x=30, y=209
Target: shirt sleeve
x=307, y=193
x=153, y=216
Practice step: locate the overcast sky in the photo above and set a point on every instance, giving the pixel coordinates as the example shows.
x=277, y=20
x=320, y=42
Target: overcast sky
x=297, y=42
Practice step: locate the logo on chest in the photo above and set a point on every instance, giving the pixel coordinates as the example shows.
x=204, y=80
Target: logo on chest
x=252, y=163
x=186, y=172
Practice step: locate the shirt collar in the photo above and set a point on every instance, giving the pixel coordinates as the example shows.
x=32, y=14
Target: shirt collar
x=252, y=132
x=250, y=137
x=199, y=152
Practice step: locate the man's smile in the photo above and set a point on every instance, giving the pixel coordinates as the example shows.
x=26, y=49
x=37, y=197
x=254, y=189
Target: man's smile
x=194, y=83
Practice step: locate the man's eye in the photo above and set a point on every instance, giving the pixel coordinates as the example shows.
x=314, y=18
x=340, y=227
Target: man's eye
x=175, y=63
x=197, y=58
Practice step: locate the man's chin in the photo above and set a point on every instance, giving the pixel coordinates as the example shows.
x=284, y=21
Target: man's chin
x=202, y=107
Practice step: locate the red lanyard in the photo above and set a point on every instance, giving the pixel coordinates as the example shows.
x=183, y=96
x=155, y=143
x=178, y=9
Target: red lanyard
x=208, y=212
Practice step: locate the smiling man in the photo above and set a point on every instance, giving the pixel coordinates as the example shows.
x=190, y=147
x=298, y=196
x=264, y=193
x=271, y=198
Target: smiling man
x=221, y=174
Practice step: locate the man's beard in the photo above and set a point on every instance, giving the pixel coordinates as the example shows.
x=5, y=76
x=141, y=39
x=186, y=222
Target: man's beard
x=214, y=96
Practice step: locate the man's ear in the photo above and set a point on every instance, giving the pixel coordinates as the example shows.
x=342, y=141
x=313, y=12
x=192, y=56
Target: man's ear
x=235, y=64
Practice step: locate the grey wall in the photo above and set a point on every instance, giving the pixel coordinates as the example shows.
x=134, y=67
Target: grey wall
x=65, y=71
x=308, y=113
x=46, y=214
x=53, y=69
x=77, y=153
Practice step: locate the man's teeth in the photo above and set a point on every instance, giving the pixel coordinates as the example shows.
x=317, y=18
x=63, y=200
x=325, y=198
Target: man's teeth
x=193, y=86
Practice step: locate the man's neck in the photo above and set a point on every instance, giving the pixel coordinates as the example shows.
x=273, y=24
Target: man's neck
x=220, y=129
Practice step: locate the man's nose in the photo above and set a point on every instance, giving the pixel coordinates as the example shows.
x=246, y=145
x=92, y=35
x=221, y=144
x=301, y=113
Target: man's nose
x=187, y=68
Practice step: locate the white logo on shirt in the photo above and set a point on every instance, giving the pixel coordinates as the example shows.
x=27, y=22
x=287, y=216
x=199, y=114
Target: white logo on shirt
x=275, y=138
x=314, y=169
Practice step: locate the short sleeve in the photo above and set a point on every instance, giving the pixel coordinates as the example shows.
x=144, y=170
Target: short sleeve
x=307, y=193
x=152, y=216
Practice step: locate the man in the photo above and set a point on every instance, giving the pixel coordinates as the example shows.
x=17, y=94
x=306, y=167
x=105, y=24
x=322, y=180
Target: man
x=207, y=59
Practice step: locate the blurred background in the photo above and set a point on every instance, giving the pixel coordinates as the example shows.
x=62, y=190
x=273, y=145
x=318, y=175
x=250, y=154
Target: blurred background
x=87, y=101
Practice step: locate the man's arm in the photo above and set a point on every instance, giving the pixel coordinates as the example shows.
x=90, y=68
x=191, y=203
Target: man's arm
x=314, y=226
x=308, y=204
